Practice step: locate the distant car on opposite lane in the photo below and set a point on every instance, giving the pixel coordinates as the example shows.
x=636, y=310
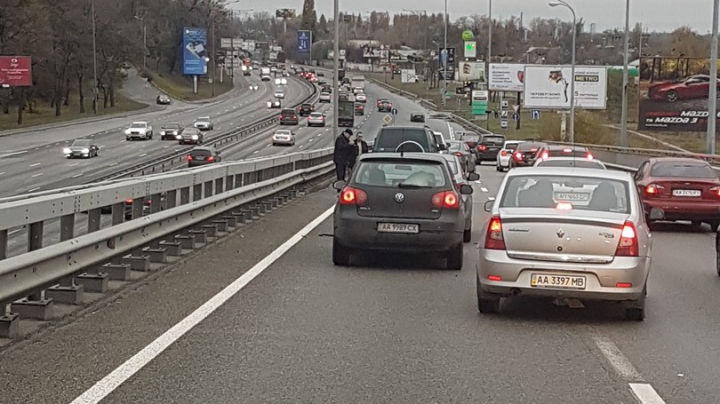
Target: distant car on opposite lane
x=204, y=123
x=280, y=95
x=81, y=148
x=361, y=97
x=139, y=130
x=417, y=117
x=191, y=136
x=163, y=99
x=274, y=104
x=171, y=131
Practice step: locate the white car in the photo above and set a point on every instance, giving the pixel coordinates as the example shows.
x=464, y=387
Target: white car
x=357, y=90
x=325, y=97
x=283, y=137
x=360, y=97
x=570, y=162
x=505, y=154
x=281, y=82
x=139, y=130
x=274, y=104
x=279, y=95
x=316, y=119
x=203, y=123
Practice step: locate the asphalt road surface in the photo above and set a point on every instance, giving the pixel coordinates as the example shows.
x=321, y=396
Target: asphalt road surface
x=32, y=162
x=240, y=322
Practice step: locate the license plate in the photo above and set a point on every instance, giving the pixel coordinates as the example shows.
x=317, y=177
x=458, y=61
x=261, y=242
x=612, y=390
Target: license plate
x=398, y=228
x=566, y=196
x=546, y=281
x=686, y=192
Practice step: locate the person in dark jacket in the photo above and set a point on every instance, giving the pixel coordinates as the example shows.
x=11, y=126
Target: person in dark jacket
x=342, y=154
x=359, y=147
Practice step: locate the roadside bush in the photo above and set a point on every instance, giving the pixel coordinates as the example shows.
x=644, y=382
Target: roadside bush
x=589, y=128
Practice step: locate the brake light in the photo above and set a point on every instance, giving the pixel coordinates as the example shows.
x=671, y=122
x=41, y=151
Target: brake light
x=628, y=246
x=518, y=156
x=589, y=156
x=494, y=278
x=544, y=156
x=189, y=158
x=482, y=147
x=210, y=158
x=128, y=201
x=458, y=154
x=715, y=191
x=564, y=206
x=503, y=153
x=353, y=196
x=568, y=150
x=447, y=199
x=653, y=189
x=494, y=238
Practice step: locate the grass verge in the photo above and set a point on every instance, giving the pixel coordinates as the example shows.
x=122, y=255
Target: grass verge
x=181, y=87
x=43, y=114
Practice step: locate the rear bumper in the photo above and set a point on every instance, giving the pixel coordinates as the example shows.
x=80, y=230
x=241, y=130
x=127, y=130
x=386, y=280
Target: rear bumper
x=521, y=163
x=678, y=210
x=283, y=142
x=288, y=122
x=487, y=156
x=504, y=161
x=600, y=279
x=434, y=236
x=316, y=123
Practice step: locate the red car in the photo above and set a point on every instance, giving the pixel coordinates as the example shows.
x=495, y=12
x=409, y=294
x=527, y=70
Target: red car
x=692, y=87
x=682, y=188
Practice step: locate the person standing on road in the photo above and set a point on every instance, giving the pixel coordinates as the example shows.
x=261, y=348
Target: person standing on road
x=342, y=154
x=359, y=147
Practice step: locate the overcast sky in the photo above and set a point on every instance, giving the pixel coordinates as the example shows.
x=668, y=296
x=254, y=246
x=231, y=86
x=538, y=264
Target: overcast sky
x=658, y=15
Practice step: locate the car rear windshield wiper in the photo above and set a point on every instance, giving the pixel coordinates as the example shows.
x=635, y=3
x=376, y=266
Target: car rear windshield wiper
x=412, y=186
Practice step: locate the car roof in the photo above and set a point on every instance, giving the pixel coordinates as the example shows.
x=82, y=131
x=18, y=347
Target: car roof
x=554, y=147
x=410, y=157
x=204, y=117
x=572, y=172
x=140, y=123
x=676, y=160
x=202, y=148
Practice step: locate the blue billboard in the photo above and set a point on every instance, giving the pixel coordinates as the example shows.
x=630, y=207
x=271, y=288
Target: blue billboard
x=195, y=52
x=304, y=40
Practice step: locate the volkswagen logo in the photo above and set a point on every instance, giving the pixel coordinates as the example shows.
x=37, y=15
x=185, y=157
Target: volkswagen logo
x=399, y=197
x=560, y=233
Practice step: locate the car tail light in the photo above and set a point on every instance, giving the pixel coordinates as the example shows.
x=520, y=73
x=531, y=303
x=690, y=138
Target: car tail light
x=503, y=153
x=189, y=157
x=353, y=196
x=653, y=189
x=518, y=156
x=447, y=199
x=458, y=154
x=128, y=201
x=589, y=156
x=494, y=239
x=564, y=206
x=715, y=191
x=211, y=158
x=628, y=246
x=494, y=278
x=567, y=150
x=623, y=285
x=482, y=147
x=544, y=156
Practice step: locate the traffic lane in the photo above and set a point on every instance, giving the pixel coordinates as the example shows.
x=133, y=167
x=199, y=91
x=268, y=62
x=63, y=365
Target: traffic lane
x=676, y=348
x=58, y=365
x=393, y=329
x=30, y=172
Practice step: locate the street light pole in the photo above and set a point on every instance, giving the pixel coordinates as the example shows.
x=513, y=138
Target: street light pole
x=555, y=3
x=95, y=78
x=144, y=44
x=712, y=94
x=626, y=56
x=336, y=62
x=447, y=55
x=490, y=27
x=213, y=60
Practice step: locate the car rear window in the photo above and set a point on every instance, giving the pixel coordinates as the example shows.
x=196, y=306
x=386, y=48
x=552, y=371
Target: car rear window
x=390, y=138
x=682, y=170
x=200, y=153
x=568, y=152
x=584, y=193
x=470, y=138
x=529, y=146
x=398, y=174
x=288, y=112
x=511, y=146
x=493, y=139
x=453, y=165
x=580, y=163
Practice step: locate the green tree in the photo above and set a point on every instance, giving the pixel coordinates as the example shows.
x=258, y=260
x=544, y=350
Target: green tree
x=309, y=18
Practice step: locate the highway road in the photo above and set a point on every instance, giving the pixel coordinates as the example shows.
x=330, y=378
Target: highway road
x=32, y=162
x=240, y=322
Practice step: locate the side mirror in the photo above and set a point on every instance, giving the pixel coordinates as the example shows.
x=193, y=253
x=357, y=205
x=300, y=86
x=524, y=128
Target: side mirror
x=473, y=177
x=489, y=205
x=339, y=184
x=657, y=214
x=466, y=189
x=442, y=147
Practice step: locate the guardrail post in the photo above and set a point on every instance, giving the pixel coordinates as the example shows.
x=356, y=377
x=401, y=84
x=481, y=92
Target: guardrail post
x=171, y=199
x=219, y=189
x=67, y=291
x=94, y=217
x=118, y=213
x=208, y=189
x=137, y=207
x=155, y=203
x=197, y=192
x=229, y=182
x=9, y=323
x=238, y=180
x=35, y=236
x=185, y=196
x=3, y=244
x=67, y=227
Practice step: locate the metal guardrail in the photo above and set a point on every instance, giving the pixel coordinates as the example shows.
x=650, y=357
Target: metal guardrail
x=180, y=200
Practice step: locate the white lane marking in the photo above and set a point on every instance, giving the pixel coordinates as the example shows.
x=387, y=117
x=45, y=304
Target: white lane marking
x=37, y=175
x=73, y=164
x=33, y=190
x=319, y=134
x=645, y=393
x=484, y=189
x=78, y=175
x=257, y=151
x=2, y=173
x=478, y=182
x=34, y=164
x=113, y=165
x=616, y=358
x=143, y=155
x=125, y=371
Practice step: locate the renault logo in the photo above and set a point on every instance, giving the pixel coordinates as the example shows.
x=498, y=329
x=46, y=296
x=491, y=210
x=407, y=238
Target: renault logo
x=399, y=197
x=560, y=233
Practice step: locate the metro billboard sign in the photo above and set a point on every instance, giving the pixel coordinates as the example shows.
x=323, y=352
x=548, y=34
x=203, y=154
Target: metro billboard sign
x=15, y=71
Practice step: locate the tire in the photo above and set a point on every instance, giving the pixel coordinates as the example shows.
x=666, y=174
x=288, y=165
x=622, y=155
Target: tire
x=637, y=311
x=454, y=258
x=467, y=235
x=340, y=254
x=498, y=168
x=486, y=305
x=714, y=224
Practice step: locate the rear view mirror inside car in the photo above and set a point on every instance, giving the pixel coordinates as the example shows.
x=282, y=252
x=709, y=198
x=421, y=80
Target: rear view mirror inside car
x=403, y=168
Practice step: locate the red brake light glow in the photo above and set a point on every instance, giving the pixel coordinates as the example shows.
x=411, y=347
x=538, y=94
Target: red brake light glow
x=589, y=156
x=458, y=154
x=447, y=199
x=518, y=156
x=653, y=189
x=128, y=201
x=503, y=153
x=628, y=246
x=623, y=285
x=210, y=158
x=544, y=156
x=567, y=150
x=189, y=157
x=564, y=206
x=715, y=191
x=353, y=196
x=494, y=278
x=494, y=239
x=482, y=147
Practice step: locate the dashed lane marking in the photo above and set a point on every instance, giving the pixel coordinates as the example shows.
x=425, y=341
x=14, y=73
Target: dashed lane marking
x=484, y=189
x=645, y=393
x=33, y=190
x=78, y=175
x=37, y=175
x=617, y=359
x=34, y=164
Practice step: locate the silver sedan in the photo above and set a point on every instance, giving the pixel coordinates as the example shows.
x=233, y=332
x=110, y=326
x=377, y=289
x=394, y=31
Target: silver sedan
x=316, y=119
x=569, y=234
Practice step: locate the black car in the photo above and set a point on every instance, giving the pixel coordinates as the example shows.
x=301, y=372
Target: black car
x=385, y=106
x=359, y=109
x=524, y=154
x=489, y=146
x=201, y=156
x=163, y=99
x=390, y=138
x=417, y=117
x=289, y=117
x=171, y=131
x=305, y=109
x=471, y=139
x=81, y=148
x=191, y=136
x=400, y=203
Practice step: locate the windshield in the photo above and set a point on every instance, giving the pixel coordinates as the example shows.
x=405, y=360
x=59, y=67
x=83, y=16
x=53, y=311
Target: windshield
x=408, y=174
x=580, y=163
x=200, y=153
x=586, y=193
x=81, y=143
x=138, y=125
x=171, y=126
x=316, y=115
x=682, y=170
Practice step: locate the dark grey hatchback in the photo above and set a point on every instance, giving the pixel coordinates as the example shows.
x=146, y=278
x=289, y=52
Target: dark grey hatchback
x=401, y=203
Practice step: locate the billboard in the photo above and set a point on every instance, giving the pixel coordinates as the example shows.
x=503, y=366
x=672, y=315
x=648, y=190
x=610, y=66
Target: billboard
x=15, y=71
x=304, y=41
x=548, y=87
x=506, y=77
x=471, y=71
x=195, y=51
x=470, y=49
x=673, y=94
x=231, y=43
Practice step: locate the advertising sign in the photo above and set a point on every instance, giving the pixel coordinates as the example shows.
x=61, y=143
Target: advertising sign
x=472, y=71
x=470, y=50
x=304, y=41
x=195, y=51
x=673, y=94
x=548, y=87
x=273, y=55
x=15, y=71
x=248, y=45
x=507, y=77
x=479, y=102
x=231, y=43
x=408, y=76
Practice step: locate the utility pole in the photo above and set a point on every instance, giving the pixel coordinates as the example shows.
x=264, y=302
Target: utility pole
x=713, y=93
x=626, y=61
x=212, y=59
x=145, y=49
x=95, y=83
x=336, y=60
